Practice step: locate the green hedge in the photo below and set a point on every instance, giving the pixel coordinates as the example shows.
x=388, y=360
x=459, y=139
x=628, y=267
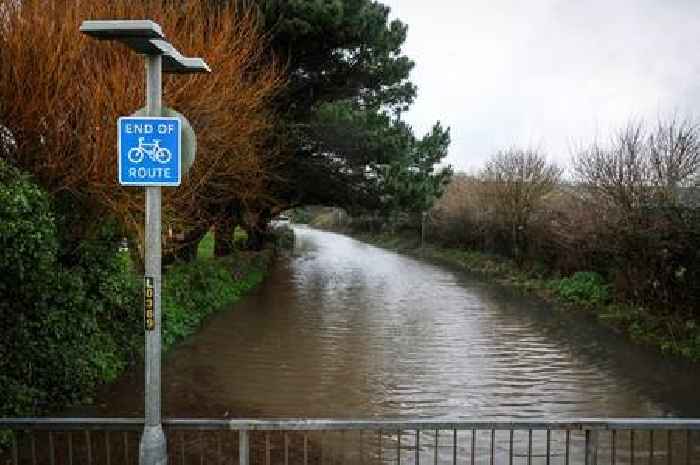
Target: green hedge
x=192, y=291
x=63, y=329
x=66, y=328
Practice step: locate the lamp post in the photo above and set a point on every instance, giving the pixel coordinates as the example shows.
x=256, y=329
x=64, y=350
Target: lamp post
x=146, y=37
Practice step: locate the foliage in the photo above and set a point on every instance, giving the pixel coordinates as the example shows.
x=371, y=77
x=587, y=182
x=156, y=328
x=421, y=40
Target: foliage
x=64, y=329
x=67, y=328
x=639, y=167
x=341, y=110
x=370, y=161
x=344, y=143
x=65, y=152
x=514, y=184
x=194, y=290
x=672, y=334
x=206, y=247
x=339, y=50
x=413, y=183
x=583, y=288
x=631, y=214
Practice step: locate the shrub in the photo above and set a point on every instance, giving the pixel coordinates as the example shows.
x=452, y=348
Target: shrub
x=583, y=288
x=64, y=329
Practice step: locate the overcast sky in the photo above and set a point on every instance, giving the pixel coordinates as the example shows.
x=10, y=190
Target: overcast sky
x=547, y=73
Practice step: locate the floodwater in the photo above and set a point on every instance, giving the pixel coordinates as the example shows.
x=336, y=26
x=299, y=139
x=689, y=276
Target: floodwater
x=342, y=329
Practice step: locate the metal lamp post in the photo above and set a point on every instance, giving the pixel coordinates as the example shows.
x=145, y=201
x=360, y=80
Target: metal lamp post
x=146, y=37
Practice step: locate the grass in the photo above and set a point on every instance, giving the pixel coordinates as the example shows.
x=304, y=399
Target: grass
x=193, y=291
x=206, y=245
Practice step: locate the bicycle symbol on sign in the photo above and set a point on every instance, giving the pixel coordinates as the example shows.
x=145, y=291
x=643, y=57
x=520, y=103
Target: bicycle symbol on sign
x=154, y=151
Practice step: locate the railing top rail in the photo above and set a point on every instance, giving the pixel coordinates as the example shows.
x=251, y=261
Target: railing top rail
x=72, y=424
x=136, y=424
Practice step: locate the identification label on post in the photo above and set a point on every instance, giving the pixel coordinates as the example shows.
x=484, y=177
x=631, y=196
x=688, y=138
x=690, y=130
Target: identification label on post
x=149, y=151
x=149, y=303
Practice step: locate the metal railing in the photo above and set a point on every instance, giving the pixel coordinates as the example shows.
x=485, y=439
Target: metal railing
x=58, y=441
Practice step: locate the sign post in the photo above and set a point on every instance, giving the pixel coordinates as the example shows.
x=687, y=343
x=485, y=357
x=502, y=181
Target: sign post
x=152, y=449
x=150, y=156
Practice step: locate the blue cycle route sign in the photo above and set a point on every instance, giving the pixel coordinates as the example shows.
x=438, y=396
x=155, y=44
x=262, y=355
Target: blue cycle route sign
x=149, y=151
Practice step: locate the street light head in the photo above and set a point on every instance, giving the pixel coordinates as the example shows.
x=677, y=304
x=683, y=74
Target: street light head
x=175, y=63
x=135, y=34
x=145, y=37
x=192, y=66
x=122, y=29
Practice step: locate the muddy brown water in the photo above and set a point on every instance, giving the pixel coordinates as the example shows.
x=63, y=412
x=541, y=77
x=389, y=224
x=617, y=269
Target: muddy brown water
x=343, y=329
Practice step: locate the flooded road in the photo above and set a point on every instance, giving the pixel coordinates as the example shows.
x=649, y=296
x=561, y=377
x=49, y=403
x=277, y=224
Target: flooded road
x=344, y=329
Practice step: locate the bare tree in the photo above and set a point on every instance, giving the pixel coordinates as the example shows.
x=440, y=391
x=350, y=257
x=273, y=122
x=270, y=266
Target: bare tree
x=639, y=167
x=674, y=155
x=516, y=182
x=619, y=174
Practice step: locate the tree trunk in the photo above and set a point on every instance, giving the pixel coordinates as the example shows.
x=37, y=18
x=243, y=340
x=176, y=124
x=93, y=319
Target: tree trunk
x=516, y=245
x=257, y=232
x=186, y=250
x=224, y=236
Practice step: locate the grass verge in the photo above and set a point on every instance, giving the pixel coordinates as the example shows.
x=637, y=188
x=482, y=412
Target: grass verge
x=667, y=331
x=193, y=291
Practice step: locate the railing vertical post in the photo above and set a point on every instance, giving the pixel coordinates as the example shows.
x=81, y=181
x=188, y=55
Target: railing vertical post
x=473, y=449
x=398, y=448
x=15, y=450
x=417, y=459
x=243, y=448
x=591, y=447
x=437, y=442
x=588, y=447
x=454, y=447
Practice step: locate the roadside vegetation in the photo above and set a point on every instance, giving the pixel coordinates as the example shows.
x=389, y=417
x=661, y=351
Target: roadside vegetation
x=304, y=106
x=68, y=327
x=618, y=236
x=192, y=291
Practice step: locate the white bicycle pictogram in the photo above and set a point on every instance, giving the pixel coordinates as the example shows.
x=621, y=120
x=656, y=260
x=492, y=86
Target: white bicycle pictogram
x=154, y=151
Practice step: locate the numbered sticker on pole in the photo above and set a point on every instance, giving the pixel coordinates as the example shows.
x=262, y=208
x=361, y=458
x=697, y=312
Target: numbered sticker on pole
x=149, y=299
x=149, y=151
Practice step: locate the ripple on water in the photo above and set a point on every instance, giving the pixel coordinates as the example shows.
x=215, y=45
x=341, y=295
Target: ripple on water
x=343, y=329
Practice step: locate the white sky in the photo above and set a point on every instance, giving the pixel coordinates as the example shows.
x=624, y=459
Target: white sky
x=547, y=73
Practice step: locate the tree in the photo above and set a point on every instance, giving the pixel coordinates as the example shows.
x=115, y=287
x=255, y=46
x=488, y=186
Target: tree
x=63, y=118
x=646, y=230
x=516, y=181
x=413, y=183
x=346, y=78
x=639, y=168
x=338, y=50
